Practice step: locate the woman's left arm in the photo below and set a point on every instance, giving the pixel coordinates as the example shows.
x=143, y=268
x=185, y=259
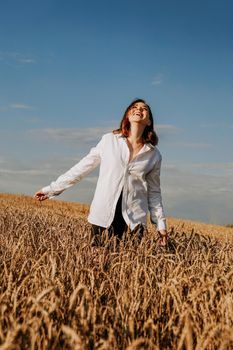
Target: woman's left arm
x=155, y=205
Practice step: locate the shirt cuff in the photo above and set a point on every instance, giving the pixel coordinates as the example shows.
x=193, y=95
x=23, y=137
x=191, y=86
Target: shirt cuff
x=161, y=225
x=47, y=191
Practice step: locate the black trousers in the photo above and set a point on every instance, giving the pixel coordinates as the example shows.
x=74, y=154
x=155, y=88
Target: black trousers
x=118, y=225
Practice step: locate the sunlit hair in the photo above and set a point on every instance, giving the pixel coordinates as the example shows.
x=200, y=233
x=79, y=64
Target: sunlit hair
x=149, y=135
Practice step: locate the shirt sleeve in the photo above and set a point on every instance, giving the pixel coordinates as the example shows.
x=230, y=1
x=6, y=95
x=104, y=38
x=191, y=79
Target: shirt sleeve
x=76, y=173
x=154, y=197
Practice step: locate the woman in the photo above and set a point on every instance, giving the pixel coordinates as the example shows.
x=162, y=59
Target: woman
x=129, y=177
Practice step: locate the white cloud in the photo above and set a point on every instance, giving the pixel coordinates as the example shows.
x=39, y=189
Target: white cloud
x=191, y=145
x=17, y=178
x=190, y=190
x=185, y=194
x=26, y=60
x=30, y=172
x=200, y=196
x=20, y=106
x=88, y=135
x=31, y=120
x=158, y=79
x=196, y=145
x=222, y=166
x=216, y=125
x=168, y=127
x=71, y=134
x=16, y=57
x=219, y=170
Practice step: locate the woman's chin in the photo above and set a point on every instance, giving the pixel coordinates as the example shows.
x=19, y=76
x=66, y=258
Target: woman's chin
x=135, y=119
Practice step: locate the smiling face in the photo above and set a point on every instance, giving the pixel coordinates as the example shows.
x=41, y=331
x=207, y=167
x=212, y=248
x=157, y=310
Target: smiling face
x=139, y=113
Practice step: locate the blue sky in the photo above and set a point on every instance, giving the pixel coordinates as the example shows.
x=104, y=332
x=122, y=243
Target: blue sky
x=68, y=70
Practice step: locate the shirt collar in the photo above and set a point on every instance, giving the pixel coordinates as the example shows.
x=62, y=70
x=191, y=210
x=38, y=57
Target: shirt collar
x=148, y=144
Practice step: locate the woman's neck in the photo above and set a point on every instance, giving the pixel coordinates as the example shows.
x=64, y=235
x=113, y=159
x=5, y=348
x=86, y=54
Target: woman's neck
x=135, y=134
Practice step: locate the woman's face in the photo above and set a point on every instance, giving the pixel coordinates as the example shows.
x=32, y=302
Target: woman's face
x=139, y=113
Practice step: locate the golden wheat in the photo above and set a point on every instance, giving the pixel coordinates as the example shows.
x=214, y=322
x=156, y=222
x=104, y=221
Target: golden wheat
x=57, y=292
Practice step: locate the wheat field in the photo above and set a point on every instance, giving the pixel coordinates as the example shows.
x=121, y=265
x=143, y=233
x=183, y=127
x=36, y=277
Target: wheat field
x=57, y=292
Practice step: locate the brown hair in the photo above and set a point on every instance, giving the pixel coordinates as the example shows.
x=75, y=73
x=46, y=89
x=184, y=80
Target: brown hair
x=149, y=135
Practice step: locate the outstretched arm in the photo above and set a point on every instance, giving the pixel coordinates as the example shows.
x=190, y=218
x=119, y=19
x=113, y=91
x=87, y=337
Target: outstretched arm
x=75, y=174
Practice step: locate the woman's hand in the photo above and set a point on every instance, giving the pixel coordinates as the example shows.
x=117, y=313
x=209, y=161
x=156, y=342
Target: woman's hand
x=40, y=196
x=163, y=237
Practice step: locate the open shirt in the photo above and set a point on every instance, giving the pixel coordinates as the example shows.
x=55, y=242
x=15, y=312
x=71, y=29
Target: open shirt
x=138, y=179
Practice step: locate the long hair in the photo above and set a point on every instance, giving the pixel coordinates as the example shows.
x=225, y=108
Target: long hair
x=149, y=135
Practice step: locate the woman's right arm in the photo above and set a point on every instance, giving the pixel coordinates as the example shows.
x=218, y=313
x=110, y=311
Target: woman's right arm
x=75, y=174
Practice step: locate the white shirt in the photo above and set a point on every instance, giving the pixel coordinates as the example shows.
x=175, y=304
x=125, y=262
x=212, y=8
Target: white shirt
x=139, y=179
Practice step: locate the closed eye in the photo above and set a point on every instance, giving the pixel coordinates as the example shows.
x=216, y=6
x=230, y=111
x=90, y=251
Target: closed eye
x=136, y=106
